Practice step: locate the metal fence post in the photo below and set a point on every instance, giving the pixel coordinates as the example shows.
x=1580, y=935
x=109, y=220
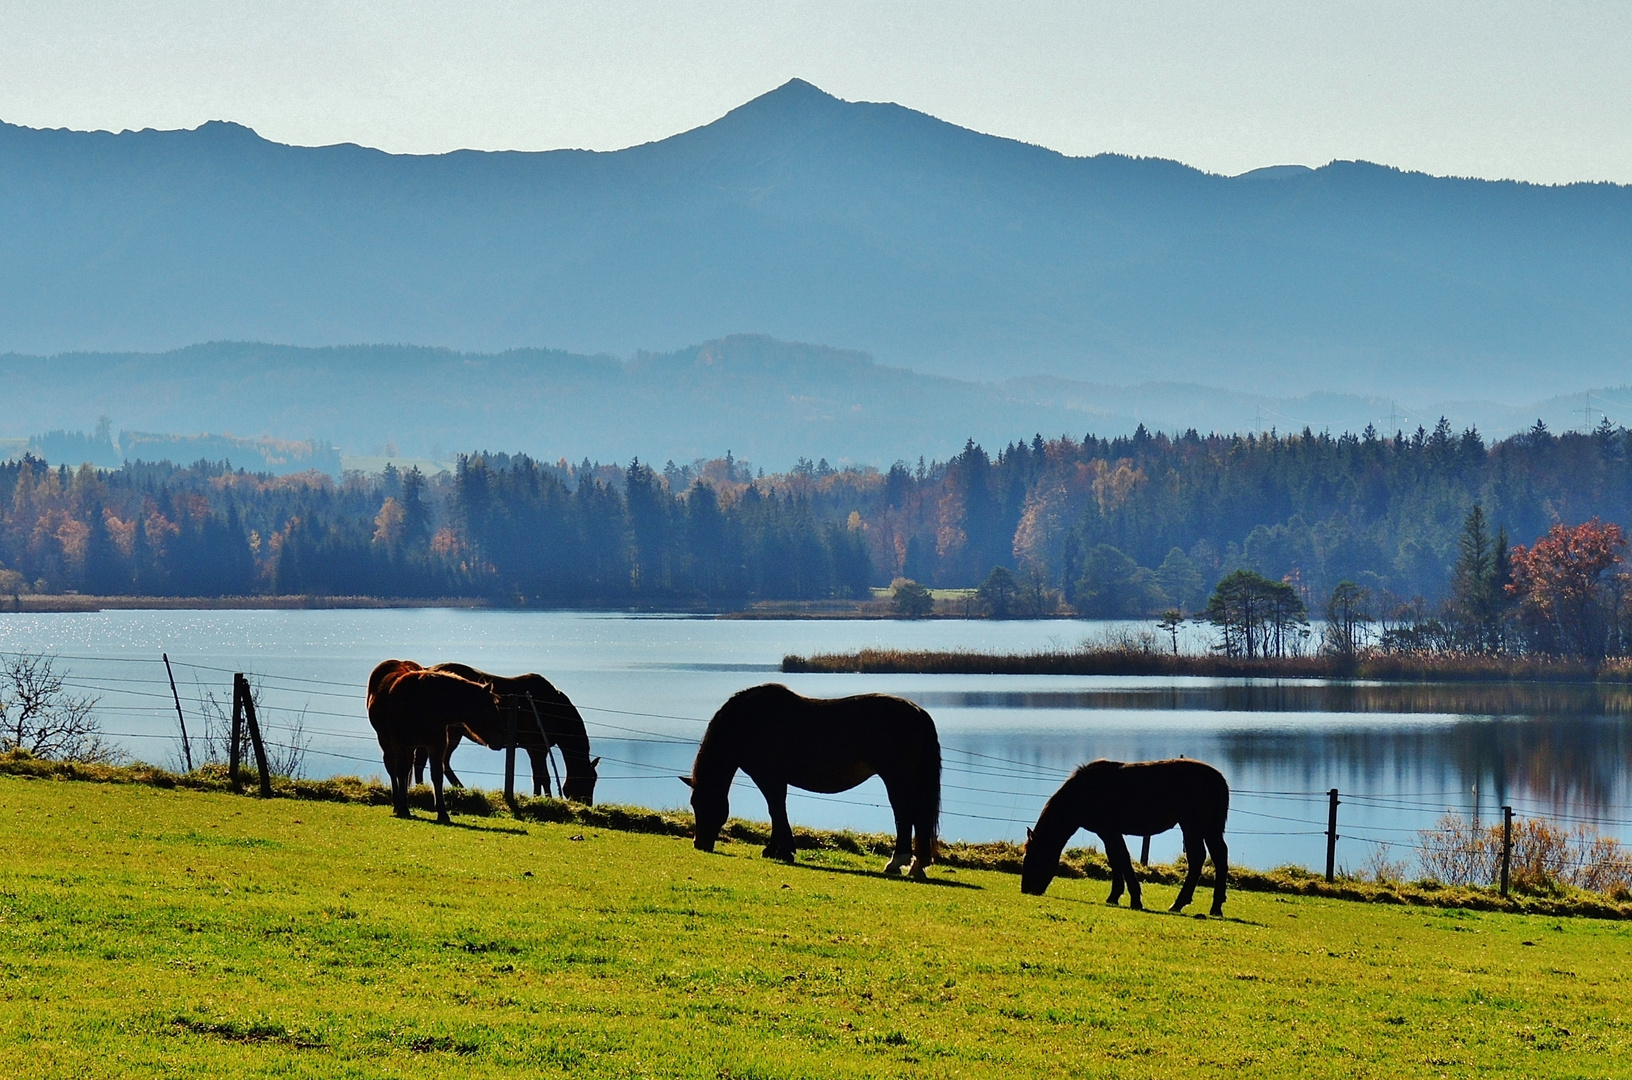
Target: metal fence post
x=1331, y=836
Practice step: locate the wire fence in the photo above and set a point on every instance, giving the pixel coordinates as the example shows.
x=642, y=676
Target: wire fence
x=1376, y=833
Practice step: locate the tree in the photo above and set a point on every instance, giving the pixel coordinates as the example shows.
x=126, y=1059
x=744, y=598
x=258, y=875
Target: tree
x=911, y=599
x=1169, y=623
x=1257, y=616
x=1477, y=596
x=1348, y=613
x=39, y=716
x=1113, y=586
x=998, y=592
x=1180, y=579
x=1567, y=605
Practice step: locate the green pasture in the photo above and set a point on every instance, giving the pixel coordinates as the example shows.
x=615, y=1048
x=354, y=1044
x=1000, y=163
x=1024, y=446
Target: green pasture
x=146, y=932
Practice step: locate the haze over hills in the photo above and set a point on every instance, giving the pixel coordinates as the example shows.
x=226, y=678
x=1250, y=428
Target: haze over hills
x=768, y=401
x=869, y=227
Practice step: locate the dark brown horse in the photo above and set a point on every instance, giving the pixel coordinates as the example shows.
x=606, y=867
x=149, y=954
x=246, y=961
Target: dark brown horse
x=544, y=717
x=1112, y=799
x=779, y=738
x=412, y=708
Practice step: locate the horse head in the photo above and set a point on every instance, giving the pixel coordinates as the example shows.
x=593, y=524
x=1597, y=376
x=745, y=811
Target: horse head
x=579, y=785
x=1042, y=860
x=710, y=806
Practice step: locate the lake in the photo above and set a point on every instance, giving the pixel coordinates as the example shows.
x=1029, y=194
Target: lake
x=646, y=685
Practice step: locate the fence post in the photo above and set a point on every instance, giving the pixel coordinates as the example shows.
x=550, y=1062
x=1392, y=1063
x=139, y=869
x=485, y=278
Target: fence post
x=235, y=739
x=186, y=749
x=510, y=755
x=1144, y=852
x=1331, y=836
x=1507, y=846
x=255, y=737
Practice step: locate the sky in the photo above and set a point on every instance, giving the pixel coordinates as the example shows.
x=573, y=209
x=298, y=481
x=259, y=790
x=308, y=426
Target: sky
x=1516, y=90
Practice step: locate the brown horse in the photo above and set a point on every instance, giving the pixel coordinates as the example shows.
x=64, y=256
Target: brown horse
x=411, y=708
x=1112, y=799
x=780, y=738
x=544, y=717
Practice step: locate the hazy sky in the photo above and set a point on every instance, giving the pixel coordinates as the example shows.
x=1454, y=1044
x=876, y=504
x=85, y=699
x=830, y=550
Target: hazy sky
x=1537, y=91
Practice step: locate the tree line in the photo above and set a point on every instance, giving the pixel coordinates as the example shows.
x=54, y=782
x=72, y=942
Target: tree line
x=1122, y=527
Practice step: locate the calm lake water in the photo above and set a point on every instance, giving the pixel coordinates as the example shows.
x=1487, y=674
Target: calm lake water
x=1401, y=756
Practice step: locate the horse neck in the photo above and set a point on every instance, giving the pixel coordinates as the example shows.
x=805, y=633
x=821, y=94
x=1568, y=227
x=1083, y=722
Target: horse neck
x=715, y=765
x=1065, y=812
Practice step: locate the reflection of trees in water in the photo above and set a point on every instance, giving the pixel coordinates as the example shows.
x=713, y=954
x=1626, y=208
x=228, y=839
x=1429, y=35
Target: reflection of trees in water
x=1453, y=699
x=1564, y=761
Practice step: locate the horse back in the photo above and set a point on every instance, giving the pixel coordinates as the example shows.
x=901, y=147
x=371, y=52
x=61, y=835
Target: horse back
x=824, y=740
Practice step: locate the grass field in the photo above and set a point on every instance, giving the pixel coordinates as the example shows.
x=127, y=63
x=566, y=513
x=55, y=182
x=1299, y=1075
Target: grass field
x=173, y=933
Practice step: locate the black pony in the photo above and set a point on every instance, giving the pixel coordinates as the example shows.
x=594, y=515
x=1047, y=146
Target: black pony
x=780, y=738
x=1112, y=800
x=544, y=717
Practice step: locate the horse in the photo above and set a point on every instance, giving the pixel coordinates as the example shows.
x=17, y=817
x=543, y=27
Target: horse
x=780, y=738
x=1113, y=799
x=411, y=707
x=544, y=717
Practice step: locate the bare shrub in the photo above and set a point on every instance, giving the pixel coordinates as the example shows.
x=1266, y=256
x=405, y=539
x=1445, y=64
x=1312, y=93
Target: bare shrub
x=286, y=745
x=1379, y=867
x=1545, y=856
x=1457, y=852
x=39, y=716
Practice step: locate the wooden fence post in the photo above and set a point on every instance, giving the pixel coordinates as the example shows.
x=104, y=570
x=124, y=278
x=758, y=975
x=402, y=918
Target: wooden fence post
x=241, y=692
x=235, y=739
x=186, y=748
x=1507, y=846
x=1331, y=836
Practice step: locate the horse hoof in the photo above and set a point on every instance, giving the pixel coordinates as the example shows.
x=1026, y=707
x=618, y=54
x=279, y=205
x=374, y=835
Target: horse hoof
x=1218, y=913
x=1134, y=905
x=444, y=819
x=1176, y=908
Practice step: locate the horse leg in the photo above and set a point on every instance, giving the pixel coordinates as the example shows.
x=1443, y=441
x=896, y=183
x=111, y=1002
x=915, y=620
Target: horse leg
x=903, y=832
x=1195, y=854
x=1116, y=851
x=1221, y=870
x=447, y=759
x=420, y=755
x=436, y=785
x=541, y=771
x=776, y=801
x=397, y=769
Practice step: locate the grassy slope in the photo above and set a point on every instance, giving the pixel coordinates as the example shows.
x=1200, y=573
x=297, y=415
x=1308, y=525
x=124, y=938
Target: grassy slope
x=152, y=932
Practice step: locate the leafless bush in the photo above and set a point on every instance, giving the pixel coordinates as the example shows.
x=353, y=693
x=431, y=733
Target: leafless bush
x=1457, y=852
x=286, y=746
x=39, y=715
x=1379, y=867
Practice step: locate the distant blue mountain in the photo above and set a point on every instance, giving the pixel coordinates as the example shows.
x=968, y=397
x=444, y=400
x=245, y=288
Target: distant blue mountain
x=798, y=215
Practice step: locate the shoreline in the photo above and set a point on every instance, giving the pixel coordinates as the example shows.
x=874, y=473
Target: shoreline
x=1131, y=662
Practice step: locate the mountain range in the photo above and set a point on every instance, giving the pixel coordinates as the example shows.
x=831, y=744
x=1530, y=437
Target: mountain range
x=767, y=401
x=869, y=227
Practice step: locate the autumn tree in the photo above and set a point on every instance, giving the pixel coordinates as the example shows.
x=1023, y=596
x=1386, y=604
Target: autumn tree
x=1567, y=592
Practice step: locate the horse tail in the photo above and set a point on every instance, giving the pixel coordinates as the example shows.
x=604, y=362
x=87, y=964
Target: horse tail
x=926, y=829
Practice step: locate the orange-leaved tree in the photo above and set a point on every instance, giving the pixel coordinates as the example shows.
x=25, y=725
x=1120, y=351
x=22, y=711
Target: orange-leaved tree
x=1570, y=599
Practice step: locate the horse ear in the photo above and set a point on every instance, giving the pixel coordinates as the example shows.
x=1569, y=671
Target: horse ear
x=686, y=780
x=594, y=762
x=1028, y=834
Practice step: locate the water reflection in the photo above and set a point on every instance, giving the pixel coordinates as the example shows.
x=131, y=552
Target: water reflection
x=1265, y=696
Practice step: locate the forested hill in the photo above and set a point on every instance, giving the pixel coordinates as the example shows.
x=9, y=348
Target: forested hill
x=798, y=215
x=1110, y=527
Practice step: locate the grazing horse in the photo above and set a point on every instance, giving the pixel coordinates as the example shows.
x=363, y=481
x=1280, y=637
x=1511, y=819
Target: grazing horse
x=411, y=708
x=544, y=717
x=1113, y=799
x=779, y=738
